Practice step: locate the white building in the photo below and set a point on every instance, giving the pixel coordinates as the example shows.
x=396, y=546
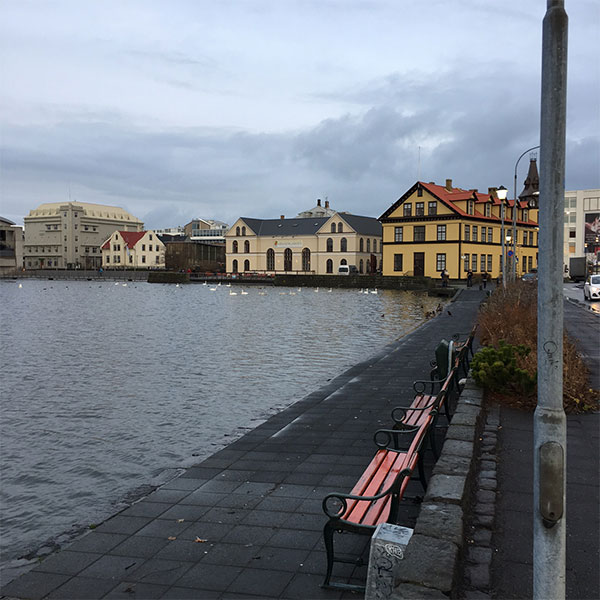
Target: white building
x=133, y=250
x=69, y=235
x=11, y=246
x=582, y=225
x=206, y=230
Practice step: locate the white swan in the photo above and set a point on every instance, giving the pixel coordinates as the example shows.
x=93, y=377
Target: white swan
x=232, y=293
x=244, y=293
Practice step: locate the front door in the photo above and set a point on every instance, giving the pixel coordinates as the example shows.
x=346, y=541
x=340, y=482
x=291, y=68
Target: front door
x=419, y=265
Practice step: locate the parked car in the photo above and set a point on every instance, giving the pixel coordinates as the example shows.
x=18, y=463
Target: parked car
x=530, y=277
x=591, y=288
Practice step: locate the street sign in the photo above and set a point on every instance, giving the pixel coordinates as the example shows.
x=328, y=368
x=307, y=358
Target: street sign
x=510, y=252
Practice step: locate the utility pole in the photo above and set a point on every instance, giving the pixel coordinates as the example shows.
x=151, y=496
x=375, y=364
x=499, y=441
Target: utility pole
x=550, y=436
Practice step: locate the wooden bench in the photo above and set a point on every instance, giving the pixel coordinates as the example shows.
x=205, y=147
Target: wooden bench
x=376, y=496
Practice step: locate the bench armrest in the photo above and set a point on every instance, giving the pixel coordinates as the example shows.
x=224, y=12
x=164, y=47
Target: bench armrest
x=420, y=384
x=343, y=498
x=403, y=410
x=389, y=439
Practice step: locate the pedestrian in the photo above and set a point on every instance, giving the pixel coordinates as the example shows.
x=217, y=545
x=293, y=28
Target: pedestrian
x=484, y=278
x=469, y=278
x=444, y=278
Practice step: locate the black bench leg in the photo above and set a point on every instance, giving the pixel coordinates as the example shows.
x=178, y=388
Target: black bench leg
x=328, y=538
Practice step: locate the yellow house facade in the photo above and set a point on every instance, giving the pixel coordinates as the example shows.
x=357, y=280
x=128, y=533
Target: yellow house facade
x=316, y=245
x=133, y=250
x=433, y=228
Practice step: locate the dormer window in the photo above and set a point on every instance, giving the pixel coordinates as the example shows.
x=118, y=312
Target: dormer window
x=525, y=215
x=470, y=207
x=420, y=192
x=488, y=210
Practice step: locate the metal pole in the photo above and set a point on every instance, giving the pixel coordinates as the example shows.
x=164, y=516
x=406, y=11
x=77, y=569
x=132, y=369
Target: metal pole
x=550, y=436
x=514, y=217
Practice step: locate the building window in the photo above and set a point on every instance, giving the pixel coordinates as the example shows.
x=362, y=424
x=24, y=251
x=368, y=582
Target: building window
x=483, y=233
x=234, y=247
x=344, y=245
x=407, y=209
x=150, y=236
x=419, y=233
x=246, y=265
x=525, y=215
x=432, y=207
x=490, y=235
x=419, y=209
x=482, y=263
x=467, y=264
x=237, y=231
x=420, y=192
x=361, y=266
x=143, y=247
x=117, y=259
x=333, y=228
x=474, y=262
x=243, y=230
x=107, y=258
x=329, y=265
x=247, y=247
x=488, y=210
x=234, y=266
x=475, y=236
x=130, y=259
x=529, y=263
x=150, y=248
x=397, y=235
x=470, y=207
x=397, y=262
x=306, y=259
x=361, y=245
x=340, y=228
x=489, y=262
x=287, y=259
x=368, y=245
x=143, y=259
x=467, y=233
x=65, y=248
x=440, y=262
x=329, y=245
x=343, y=261
x=270, y=259
x=375, y=246
x=441, y=233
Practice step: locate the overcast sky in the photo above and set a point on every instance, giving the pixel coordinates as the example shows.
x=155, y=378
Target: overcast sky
x=220, y=108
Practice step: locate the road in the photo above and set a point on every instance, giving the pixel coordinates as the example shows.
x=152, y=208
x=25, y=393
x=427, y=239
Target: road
x=574, y=291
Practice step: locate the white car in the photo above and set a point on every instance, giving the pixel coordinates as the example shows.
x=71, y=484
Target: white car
x=591, y=288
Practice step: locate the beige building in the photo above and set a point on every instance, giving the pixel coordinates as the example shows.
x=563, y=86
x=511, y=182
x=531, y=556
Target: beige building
x=11, y=246
x=316, y=245
x=206, y=230
x=69, y=235
x=582, y=225
x=133, y=250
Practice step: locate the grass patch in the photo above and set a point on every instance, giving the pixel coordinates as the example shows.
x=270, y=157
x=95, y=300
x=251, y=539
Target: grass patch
x=510, y=316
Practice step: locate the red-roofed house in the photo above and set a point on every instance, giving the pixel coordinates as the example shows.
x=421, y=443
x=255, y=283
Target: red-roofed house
x=133, y=250
x=433, y=228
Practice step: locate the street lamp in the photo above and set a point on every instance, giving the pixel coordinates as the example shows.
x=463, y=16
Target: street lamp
x=514, y=216
x=501, y=194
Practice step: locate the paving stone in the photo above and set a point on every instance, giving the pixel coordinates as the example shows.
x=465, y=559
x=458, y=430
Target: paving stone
x=129, y=591
x=34, y=585
x=482, y=536
x=486, y=496
x=487, y=465
x=67, y=563
x=484, y=520
x=83, y=588
x=478, y=575
x=479, y=555
x=486, y=483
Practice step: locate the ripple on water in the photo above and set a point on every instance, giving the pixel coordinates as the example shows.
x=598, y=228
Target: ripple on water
x=106, y=387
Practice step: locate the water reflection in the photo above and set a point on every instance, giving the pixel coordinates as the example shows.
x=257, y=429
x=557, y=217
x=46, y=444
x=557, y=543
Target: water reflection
x=105, y=386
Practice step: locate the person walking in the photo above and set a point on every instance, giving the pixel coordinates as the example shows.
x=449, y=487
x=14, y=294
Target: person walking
x=484, y=279
x=469, y=278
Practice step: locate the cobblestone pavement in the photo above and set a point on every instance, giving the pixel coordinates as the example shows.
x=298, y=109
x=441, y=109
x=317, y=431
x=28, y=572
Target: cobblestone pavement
x=247, y=522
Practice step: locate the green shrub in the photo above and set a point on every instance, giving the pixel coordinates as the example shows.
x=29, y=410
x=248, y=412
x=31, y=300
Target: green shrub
x=498, y=369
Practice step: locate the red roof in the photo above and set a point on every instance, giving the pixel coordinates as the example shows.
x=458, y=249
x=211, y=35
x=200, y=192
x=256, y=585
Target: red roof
x=131, y=238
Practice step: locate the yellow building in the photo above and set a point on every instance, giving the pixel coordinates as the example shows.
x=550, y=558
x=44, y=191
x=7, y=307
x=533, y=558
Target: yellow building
x=315, y=245
x=433, y=228
x=133, y=250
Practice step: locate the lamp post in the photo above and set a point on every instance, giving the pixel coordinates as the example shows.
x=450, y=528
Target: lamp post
x=514, y=217
x=501, y=193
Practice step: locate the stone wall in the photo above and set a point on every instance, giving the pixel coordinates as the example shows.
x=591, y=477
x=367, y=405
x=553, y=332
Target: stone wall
x=355, y=281
x=433, y=556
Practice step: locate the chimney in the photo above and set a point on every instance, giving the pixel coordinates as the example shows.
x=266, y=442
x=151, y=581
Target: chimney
x=326, y=203
x=449, y=184
x=318, y=201
x=282, y=217
x=492, y=192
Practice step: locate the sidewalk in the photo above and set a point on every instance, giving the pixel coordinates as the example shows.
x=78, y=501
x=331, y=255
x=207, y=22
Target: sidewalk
x=512, y=564
x=247, y=522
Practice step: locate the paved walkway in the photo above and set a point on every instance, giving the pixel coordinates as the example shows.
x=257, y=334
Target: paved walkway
x=248, y=520
x=512, y=570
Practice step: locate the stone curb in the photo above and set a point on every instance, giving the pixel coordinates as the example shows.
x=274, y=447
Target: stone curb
x=433, y=558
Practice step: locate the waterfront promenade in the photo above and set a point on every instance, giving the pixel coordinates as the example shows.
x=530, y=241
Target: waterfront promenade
x=247, y=522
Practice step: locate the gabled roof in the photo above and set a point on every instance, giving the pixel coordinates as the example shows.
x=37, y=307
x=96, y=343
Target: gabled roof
x=363, y=225
x=131, y=238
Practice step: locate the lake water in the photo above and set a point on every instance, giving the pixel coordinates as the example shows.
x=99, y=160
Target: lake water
x=108, y=388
